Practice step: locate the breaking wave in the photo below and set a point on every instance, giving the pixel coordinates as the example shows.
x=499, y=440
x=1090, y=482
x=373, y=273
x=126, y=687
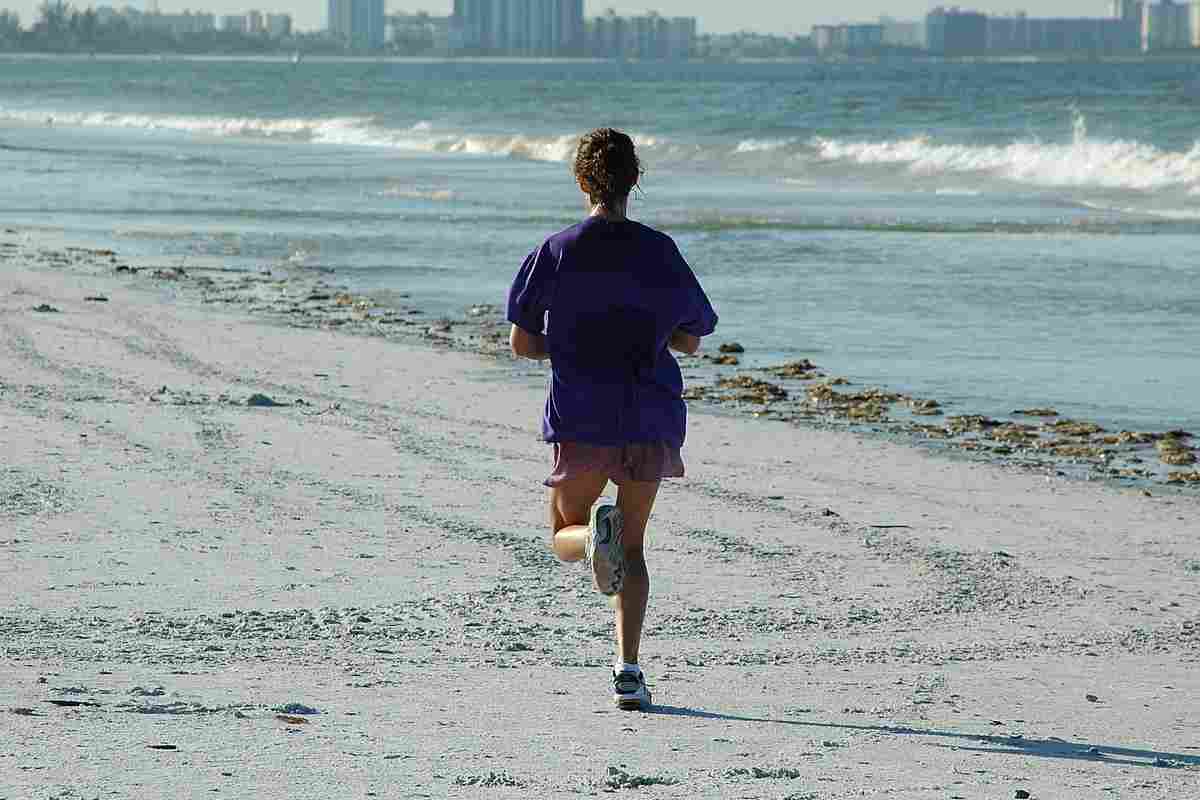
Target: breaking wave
x=763, y=145
x=351, y=131
x=1083, y=162
x=417, y=193
x=298, y=129
x=1172, y=214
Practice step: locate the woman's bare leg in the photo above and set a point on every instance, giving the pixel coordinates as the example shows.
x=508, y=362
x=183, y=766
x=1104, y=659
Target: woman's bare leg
x=636, y=500
x=570, y=510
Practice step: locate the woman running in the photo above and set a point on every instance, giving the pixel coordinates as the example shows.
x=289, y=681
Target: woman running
x=605, y=300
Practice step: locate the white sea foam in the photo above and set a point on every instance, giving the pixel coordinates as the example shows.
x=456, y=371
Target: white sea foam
x=1083, y=162
x=558, y=148
x=762, y=145
x=310, y=129
x=1179, y=214
x=424, y=136
x=417, y=193
x=1174, y=214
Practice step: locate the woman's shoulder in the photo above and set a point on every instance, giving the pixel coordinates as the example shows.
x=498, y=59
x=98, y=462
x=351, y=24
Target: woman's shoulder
x=627, y=230
x=634, y=239
x=652, y=234
x=660, y=246
x=566, y=238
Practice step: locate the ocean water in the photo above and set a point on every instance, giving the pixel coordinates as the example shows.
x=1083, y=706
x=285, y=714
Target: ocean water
x=991, y=235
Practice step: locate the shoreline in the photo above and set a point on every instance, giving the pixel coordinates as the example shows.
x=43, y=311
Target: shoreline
x=1035, y=439
x=1161, y=57
x=345, y=582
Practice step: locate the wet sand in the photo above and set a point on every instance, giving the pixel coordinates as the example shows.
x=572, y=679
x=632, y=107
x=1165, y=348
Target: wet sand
x=349, y=594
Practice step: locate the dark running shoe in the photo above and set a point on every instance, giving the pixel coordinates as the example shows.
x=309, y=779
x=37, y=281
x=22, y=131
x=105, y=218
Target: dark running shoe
x=630, y=692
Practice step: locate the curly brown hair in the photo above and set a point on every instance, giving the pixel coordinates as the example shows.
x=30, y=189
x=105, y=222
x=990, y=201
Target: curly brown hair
x=606, y=166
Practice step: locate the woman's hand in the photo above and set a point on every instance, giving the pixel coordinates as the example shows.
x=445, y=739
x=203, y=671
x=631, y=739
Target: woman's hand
x=684, y=342
x=526, y=344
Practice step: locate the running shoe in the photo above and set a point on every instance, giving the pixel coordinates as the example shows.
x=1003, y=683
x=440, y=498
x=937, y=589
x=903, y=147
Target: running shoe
x=604, y=551
x=630, y=692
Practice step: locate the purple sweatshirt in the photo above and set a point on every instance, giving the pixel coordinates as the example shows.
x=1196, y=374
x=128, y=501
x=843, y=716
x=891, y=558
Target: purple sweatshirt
x=607, y=296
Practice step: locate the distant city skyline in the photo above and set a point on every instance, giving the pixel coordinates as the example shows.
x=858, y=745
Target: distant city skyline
x=715, y=16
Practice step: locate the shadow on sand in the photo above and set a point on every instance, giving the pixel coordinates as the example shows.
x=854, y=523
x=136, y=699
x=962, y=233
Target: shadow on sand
x=1019, y=745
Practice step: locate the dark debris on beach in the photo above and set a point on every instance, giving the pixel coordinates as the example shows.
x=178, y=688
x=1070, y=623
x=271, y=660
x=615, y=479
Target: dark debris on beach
x=797, y=392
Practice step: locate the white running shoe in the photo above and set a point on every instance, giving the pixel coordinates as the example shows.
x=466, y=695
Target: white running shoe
x=630, y=692
x=604, y=551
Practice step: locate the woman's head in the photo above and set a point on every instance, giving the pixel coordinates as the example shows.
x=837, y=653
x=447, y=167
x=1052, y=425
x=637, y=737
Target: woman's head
x=607, y=167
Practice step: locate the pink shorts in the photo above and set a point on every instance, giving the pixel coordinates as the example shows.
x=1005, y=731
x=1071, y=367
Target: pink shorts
x=636, y=461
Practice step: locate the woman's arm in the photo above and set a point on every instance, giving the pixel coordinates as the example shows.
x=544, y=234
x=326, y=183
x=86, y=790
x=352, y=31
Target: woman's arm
x=684, y=342
x=526, y=344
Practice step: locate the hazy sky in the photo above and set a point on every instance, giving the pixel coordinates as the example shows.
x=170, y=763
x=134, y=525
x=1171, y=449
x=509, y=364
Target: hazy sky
x=716, y=16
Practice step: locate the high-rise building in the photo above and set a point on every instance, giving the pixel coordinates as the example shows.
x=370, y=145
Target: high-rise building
x=606, y=35
x=843, y=39
x=279, y=26
x=419, y=32
x=681, y=37
x=1093, y=35
x=184, y=24
x=951, y=32
x=338, y=19
x=519, y=27
x=359, y=23
x=468, y=21
x=644, y=37
x=826, y=38
x=205, y=21
x=367, y=28
x=569, y=38
x=540, y=32
x=517, y=21
x=234, y=23
x=1128, y=10
x=902, y=33
x=1166, y=25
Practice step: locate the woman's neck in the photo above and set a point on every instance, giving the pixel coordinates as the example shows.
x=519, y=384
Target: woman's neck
x=615, y=214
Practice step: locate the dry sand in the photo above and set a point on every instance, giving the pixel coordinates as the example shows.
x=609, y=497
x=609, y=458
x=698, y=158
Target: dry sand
x=831, y=617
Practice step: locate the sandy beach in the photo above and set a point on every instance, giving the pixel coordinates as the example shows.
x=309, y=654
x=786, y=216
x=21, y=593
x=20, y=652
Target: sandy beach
x=348, y=593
